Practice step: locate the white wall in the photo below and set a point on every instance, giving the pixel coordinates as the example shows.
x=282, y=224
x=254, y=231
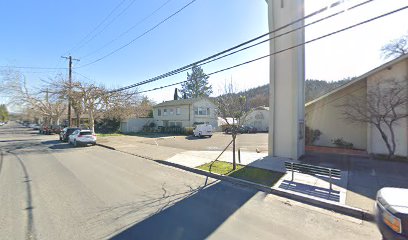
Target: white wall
x=398, y=72
x=287, y=76
x=325, y=115
x=211, y=119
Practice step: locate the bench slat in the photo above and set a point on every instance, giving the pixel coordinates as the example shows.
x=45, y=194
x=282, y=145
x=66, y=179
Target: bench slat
x=311, y=169
x=316, y=173
x=315, y=170
x=287, y=164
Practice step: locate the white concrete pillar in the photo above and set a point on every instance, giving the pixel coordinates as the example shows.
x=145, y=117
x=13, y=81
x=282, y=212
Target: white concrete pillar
x=287, y=75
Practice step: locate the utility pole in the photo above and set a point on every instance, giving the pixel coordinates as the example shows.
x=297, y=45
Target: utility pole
x=70, y=86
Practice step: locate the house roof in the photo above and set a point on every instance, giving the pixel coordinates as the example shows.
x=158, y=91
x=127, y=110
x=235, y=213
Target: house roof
x=181, y=102
x=360, y=78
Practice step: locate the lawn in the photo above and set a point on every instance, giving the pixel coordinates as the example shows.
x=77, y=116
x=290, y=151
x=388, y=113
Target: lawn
x=253, y=174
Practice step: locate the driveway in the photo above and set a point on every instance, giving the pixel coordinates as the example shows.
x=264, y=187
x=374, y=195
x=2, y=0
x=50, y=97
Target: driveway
x=247, y=142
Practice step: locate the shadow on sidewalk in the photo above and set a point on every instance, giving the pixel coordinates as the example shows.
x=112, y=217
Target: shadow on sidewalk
x=365, y=176
x=314, y=191
x=194, y=217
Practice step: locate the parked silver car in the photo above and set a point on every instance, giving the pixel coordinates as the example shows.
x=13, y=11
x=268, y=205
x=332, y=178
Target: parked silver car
x=82, y=137
x=391, y=210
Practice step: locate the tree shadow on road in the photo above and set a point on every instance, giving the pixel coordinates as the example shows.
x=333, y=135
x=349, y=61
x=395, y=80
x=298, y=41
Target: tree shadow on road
x=55, y=144
x=195, y=217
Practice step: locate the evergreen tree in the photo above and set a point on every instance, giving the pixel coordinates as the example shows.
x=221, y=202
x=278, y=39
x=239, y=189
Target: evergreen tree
x=197, y=84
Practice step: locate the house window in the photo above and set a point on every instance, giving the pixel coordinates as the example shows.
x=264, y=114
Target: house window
x=158, y=112
x=164, y=112
x=178, y=124
x=178, y=111
x=200, y=111
x=171, y=111
x=172, y=124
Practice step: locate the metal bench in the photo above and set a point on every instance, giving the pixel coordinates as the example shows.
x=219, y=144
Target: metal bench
x=313, y=170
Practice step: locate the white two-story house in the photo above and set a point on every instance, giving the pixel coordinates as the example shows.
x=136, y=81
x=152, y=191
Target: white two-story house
x=185, y=112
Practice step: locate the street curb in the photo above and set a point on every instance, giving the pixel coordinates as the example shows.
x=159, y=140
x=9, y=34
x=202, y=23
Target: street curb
x=335, y=207
x=338, y=208
x=106, y=146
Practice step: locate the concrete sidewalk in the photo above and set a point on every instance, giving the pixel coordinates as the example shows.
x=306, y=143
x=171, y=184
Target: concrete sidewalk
x=360, y=180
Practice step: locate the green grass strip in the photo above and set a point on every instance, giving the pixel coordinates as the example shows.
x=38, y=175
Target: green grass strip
x=252, y=174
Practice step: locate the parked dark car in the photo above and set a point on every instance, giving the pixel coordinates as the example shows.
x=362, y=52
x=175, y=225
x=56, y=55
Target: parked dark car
x=248, y=129
x=391, y=213
x=242, y=129
x=64, y=134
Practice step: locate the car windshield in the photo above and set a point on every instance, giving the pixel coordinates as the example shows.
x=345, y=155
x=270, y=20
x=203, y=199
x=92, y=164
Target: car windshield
x=71, y=130
x=86, y=133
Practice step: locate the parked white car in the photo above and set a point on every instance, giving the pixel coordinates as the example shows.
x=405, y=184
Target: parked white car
x=202, y=130
x=82, y=137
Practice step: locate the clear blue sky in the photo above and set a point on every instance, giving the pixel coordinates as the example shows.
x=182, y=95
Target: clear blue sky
x=37, y=33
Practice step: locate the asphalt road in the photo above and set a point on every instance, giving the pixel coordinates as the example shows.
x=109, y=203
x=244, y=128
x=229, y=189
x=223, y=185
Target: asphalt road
x=49, y=190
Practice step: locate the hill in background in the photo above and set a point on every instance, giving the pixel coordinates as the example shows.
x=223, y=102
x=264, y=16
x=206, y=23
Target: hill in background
x=313, y=89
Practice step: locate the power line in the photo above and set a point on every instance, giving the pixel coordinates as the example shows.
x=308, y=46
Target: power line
x=287, y=49
x=128, y=30
x=214, y=57
x=107, y=25
x=285, y=33
x=259, y=37
x=95, y=28
x=83, y=75
x=140, y=36
x=30, y=67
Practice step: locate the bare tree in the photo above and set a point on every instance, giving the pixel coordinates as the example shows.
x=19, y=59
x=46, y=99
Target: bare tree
x=385, y=104
x=97, y=101
x=232, y=109
x=14, y=88
x=395, y=48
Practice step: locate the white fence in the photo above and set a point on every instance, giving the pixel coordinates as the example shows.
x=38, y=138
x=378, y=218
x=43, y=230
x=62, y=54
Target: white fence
x=134, y=124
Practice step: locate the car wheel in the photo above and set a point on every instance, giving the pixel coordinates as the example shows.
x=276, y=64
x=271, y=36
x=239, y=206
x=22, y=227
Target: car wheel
x=199, y=135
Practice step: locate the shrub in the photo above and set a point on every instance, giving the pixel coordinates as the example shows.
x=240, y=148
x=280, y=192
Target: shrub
x=339, y=142
x=107, y=125
x=188, y=131
x=311, y=135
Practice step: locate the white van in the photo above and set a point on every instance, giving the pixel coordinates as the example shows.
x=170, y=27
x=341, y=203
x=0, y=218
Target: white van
x=202, y=130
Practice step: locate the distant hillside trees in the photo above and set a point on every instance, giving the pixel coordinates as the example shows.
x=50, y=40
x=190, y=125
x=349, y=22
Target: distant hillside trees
x=259, y=96
x=197, y=84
